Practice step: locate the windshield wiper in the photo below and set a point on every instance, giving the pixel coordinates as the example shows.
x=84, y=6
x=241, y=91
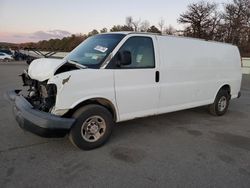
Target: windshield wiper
x=77, y=64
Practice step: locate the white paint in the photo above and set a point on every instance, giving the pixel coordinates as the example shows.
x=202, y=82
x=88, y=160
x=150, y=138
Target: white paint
x=137, y=93
x=83, y=84
x=191, y=73
x=44, y=68
x=101, y=48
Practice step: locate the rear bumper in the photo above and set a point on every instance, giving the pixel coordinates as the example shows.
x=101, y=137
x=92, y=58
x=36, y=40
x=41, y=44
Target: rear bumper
x=38, y=122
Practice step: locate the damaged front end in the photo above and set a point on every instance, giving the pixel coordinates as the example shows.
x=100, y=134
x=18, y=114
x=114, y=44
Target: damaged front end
x=40, y=94
x=33, y=106
x=38, y=122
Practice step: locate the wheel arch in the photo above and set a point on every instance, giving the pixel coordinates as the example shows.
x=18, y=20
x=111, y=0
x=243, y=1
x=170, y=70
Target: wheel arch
x=97, y=100
x=226, y=87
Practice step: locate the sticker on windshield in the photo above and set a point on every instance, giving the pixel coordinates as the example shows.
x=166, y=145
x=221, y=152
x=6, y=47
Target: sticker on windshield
x=101, y=48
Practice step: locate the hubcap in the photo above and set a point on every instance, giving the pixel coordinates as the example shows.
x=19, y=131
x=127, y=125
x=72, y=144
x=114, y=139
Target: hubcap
x=222, y=104
x=93, y=128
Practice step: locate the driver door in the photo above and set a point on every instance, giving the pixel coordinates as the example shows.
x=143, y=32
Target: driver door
x=136, y=85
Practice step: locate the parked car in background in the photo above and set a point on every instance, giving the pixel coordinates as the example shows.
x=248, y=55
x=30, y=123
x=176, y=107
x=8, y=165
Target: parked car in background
x=5, y=57
x=6, y=51
x=18, y=56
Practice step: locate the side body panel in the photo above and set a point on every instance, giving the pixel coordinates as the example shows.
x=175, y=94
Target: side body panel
x=192, y=72
x=74, y=87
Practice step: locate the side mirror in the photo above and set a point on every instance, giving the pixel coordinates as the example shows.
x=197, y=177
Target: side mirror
x=124, y=58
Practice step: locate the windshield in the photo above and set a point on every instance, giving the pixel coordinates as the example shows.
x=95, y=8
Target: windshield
x=94, y=50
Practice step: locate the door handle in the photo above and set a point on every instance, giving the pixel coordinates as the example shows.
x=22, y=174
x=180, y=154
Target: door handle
x=157, y=76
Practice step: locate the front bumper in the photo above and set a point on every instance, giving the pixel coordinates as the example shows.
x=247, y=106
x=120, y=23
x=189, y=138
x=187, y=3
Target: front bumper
x=38, y=122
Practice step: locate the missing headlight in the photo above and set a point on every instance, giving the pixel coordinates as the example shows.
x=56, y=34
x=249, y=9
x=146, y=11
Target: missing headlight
x=48, y=96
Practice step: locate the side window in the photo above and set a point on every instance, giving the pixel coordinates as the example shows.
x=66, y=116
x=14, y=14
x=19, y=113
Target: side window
x=142, y=52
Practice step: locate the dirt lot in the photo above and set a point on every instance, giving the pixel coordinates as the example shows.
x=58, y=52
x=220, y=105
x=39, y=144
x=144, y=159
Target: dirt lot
x=183, y=149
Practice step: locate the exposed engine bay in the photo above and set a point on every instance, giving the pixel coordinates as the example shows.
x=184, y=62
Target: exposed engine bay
x=40, y=94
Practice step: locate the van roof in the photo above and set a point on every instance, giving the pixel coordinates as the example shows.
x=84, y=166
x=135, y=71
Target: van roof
x=174, y=36
x=131, y=32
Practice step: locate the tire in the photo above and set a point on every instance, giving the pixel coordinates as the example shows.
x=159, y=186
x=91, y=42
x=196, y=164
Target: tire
x=93, y=127
x=221, y=103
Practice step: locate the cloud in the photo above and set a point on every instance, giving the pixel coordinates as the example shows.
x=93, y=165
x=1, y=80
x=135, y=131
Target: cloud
x=33, y=37
x=52, y=34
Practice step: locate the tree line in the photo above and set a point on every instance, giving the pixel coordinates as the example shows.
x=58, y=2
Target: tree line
x=201, y=20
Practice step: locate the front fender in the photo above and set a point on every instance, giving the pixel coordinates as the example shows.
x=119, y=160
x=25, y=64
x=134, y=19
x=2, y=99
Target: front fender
x=76, y=86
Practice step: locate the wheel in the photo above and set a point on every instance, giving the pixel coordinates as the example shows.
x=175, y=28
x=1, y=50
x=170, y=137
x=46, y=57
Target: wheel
x=93, y=127
x=221, y=103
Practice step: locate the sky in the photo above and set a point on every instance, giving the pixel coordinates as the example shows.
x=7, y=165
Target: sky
x=34, y=20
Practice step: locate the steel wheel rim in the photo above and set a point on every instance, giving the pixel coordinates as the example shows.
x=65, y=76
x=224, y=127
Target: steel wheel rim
x=93, y=128
x=222, y=104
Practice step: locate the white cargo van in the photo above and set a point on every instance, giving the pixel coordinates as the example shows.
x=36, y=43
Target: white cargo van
x=115, y=77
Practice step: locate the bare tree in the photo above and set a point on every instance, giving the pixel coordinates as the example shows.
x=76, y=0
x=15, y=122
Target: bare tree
x=136, y=24
x=161, y=24
x=236, y=21
x=170, y=30
x=144, y=26
x=130, y=22
x=201, y=20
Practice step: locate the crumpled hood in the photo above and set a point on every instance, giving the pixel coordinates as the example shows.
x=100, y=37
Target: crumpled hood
x=44, y=68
